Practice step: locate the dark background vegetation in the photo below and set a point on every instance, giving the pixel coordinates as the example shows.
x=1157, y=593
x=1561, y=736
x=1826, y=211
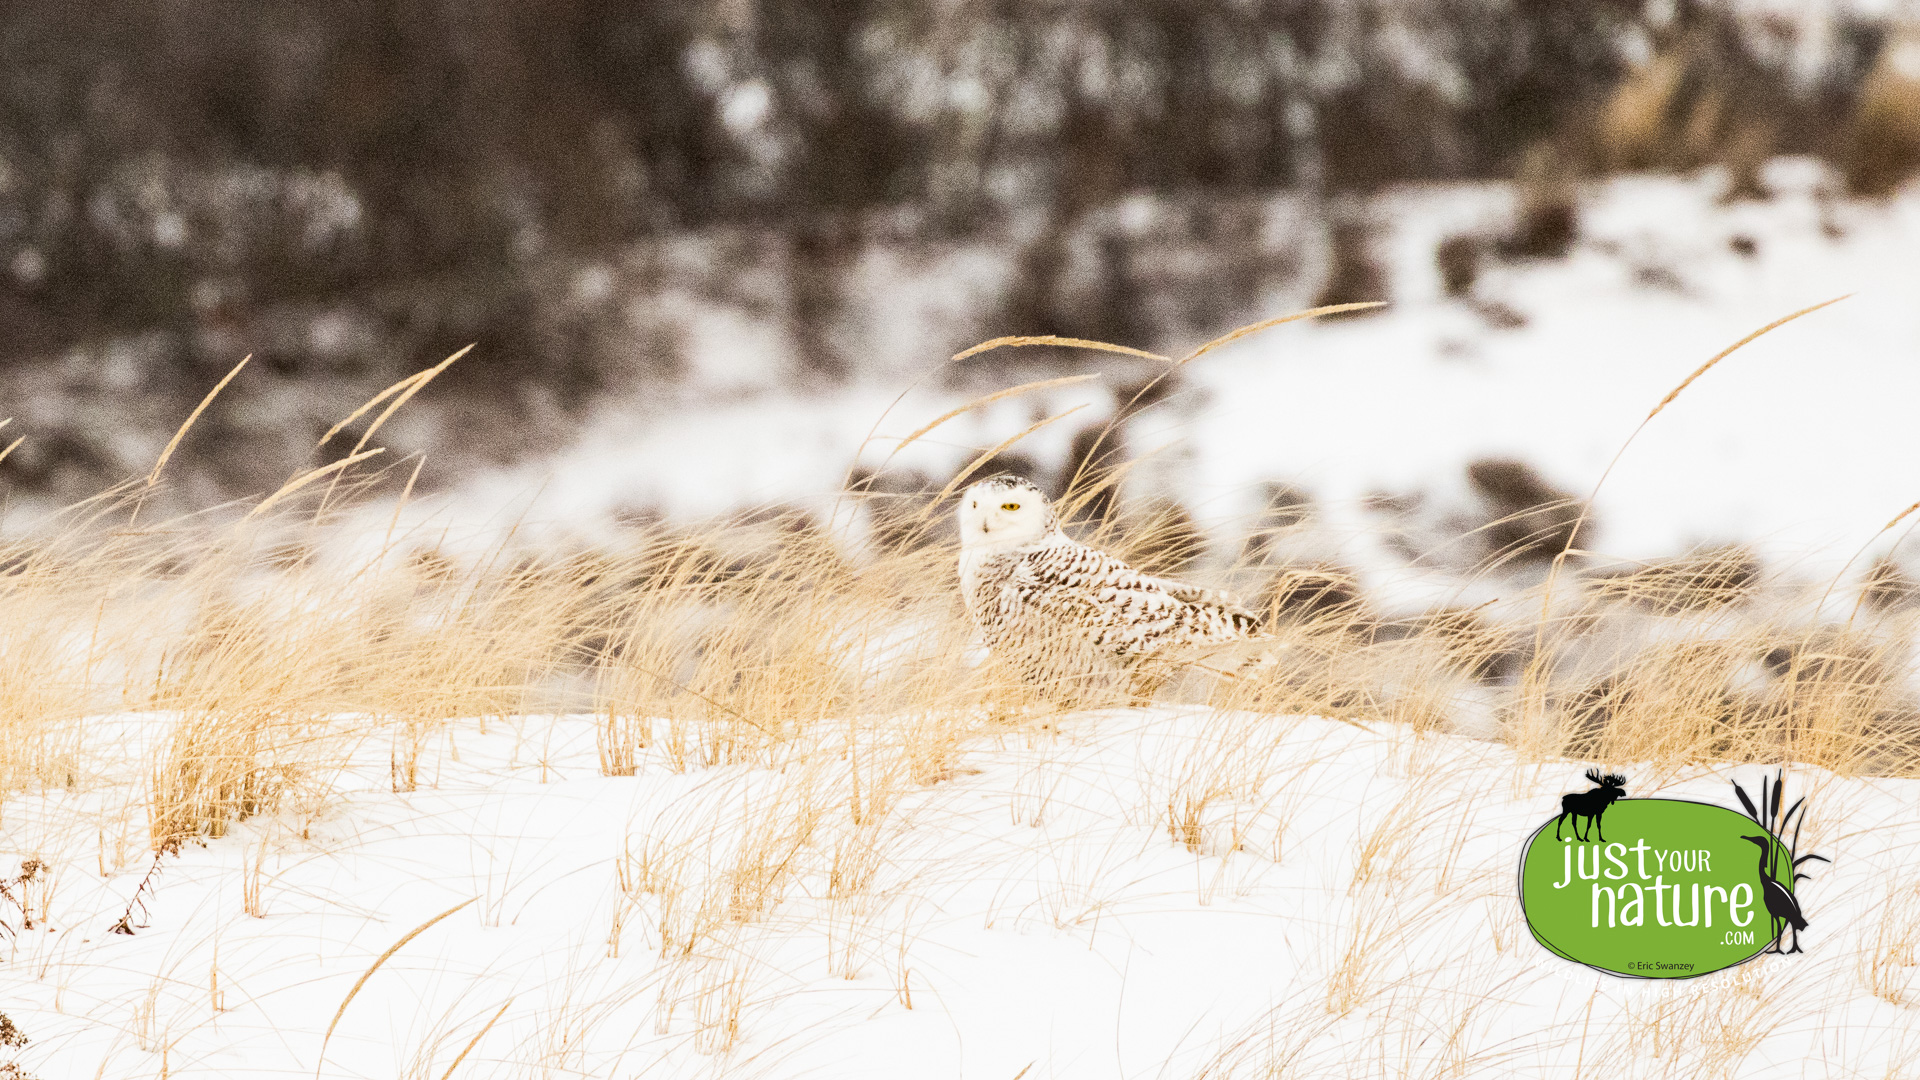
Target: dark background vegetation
x=351, y=189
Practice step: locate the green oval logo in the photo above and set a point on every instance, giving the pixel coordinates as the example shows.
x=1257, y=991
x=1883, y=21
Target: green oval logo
x=1674, y=890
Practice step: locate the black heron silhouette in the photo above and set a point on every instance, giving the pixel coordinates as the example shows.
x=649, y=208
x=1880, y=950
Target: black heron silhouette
x=1781, y=906
x=1590, y=804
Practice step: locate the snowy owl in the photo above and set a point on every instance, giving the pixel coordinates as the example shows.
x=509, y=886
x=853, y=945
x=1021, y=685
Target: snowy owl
x=1071, y=620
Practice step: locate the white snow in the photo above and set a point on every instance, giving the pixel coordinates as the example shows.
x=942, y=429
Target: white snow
x=1034, y=909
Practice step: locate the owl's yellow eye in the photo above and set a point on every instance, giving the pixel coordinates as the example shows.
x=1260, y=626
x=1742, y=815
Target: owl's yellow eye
x=1009, y=506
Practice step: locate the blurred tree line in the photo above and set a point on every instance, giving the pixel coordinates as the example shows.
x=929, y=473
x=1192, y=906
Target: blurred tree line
x=352, y=188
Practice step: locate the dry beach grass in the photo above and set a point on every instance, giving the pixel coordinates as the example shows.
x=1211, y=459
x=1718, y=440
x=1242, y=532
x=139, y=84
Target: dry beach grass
x=178, y=681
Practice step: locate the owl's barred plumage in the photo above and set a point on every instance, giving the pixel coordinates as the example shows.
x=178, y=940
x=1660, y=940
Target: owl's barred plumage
x=1070, y=620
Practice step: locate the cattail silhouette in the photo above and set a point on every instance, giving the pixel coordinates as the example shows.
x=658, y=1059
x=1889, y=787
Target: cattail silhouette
x=1590, y=804
x=1782, y=906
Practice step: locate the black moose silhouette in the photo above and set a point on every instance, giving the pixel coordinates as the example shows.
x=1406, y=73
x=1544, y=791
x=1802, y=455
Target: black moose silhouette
x=1590, y=804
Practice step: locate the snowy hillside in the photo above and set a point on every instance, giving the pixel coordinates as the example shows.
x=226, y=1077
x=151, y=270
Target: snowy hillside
x=1800, y=444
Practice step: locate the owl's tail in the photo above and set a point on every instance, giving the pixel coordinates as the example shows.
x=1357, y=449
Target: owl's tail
x=1238, y=659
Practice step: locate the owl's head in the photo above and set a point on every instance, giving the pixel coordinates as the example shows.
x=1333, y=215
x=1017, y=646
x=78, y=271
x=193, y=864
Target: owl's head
x=1004, y=511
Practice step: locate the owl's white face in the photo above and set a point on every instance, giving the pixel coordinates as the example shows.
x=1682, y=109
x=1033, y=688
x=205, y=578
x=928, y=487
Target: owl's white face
x=1003, y=512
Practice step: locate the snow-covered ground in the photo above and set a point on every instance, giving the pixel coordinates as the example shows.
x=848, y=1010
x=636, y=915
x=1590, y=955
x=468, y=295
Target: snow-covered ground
x=1347, y=909
x=1800, y=444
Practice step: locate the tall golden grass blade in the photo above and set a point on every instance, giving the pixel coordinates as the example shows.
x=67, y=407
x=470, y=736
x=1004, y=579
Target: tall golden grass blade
x=1126, y=408
x=1586, y=507
x=1533, y=671
x=406, y=388
x=1018, y=341
x=1314, y=313
x=405, y=494
x=988, y=455
x=1848, y=565
x=383, y=395
x=10, y=447
x=1731, y=349
x=980, y=402
x=304, y=479
x=1898, y=518
x=174, y=443
x=368, y=974
x=476, y=1041
x=420, y=382
x=367, y=407
x=690, y=691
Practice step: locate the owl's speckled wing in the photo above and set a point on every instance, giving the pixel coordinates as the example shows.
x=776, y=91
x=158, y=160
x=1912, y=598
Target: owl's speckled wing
x=1060, y=610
